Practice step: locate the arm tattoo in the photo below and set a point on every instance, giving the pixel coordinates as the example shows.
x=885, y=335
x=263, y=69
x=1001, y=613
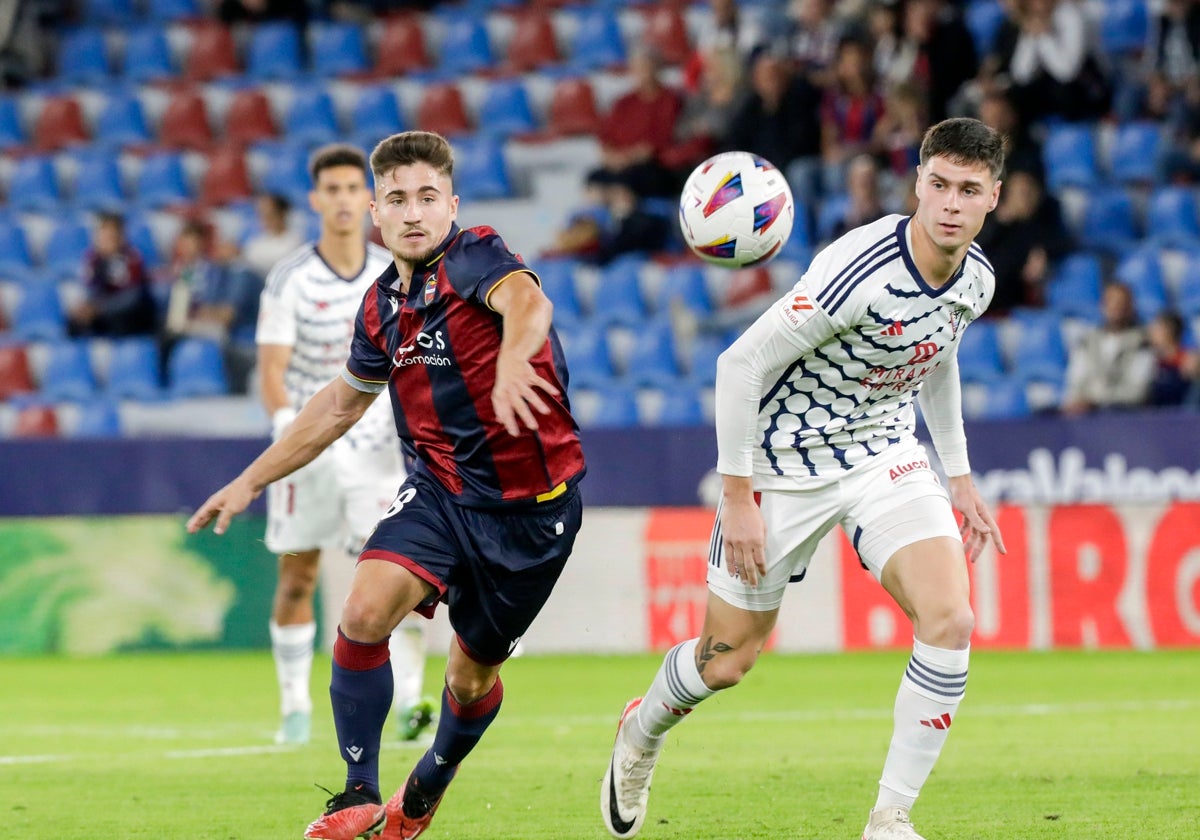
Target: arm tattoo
x=710, y=650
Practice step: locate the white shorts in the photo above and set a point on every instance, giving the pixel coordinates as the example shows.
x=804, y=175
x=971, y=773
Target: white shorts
x=340, y=495
x=882, y=507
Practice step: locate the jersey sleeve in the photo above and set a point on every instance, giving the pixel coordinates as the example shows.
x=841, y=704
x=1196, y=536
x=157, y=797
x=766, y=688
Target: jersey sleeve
x=481, y=263
x=370, y=365
x=941, y=403
x=277, y=309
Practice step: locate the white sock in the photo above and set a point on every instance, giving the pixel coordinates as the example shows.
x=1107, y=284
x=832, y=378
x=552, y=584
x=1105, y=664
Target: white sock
x=930, y=691
x=676, y=690
x=408, y=663
x=292, y=646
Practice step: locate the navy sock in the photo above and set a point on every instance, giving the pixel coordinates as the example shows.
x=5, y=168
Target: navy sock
x=459, y=730
x=361, y=692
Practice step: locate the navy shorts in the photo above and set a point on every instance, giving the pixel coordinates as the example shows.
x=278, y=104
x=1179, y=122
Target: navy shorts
x=494, y=568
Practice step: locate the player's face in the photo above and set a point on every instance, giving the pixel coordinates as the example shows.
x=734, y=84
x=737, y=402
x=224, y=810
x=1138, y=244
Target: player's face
x=953, y=201
x=414, y=207
x=340, y=197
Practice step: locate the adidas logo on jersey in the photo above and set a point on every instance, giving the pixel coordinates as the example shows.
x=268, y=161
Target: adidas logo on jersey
x=895, y=329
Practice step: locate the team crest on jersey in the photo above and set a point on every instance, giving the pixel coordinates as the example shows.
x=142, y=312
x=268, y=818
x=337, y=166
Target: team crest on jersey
x=430, y=289
x=958, y=318
x=797, y=307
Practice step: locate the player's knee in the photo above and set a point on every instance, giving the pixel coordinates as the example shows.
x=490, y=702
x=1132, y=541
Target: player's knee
x=468, y=687
x=950, y=627
x=726, y=670
x=366, y=619
x=296, y=588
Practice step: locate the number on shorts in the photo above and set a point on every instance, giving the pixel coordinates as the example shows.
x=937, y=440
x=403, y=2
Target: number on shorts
x=406, y=495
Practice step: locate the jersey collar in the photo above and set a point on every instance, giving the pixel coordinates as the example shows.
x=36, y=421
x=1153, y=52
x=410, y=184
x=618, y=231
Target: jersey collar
x=906, y=253
x=389, y=281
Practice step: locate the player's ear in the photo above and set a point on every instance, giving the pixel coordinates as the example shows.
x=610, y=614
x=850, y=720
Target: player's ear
x=995, y=196
x=374, y=208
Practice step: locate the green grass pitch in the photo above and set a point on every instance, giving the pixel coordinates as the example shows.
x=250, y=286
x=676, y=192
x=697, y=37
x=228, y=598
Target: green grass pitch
x=1047, y=745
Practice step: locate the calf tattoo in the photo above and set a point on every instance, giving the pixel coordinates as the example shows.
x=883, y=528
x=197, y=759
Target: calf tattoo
x=710, y=650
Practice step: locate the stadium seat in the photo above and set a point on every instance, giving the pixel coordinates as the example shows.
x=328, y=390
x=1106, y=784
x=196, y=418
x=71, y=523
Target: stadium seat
x=983, y=19
x=286, y=173
x=11, y=134
x=98, y=183
x=480, y=170
x=830, y=212
x=174, y=10
x=15, y=377
x=1187, y=296
x=15, y=260
x=213, y=53
x=572, y=110
x=1041, y=355
x=1074, y=290
x=39, y=313
x=979, y=356
x=597, y=43
x=621, y=300
x=67, y=374
x=274, y=52
x=338, y=49
x=442, y=109
x=1142, y=272
x=1123, y=26
x=465, y=47
x=680, y=406
x=588, y=356
x=376, y=111
x=108, y=12
x=1136, y=155
x=311, y=119
x=655, y=360
x=686, y=286
x=667, y=30
x=140, y=235
x=1109, y=223
x=196, y=369
x=1069, y=156
x=1006, y=400
x=98, y=418
x=1171, y=218
x=534, y=44
x=59, y=125
x=558, y=283
x=147, y=56
x=248, y=119
x=133, y=370
x=401, y=49
x=36, y=421
x=82, y=57
x=617, y=408
x=505, y=109
x=226, y=180
x=185, y=122
x=162, y=181
x=121, y=122
x=70, y=240
x=33, y=185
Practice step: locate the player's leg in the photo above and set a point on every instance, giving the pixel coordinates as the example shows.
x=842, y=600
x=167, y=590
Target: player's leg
x=413, y=712
x=293, y=630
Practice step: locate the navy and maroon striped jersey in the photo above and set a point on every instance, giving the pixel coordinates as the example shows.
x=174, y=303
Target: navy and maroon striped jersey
x=436, y=348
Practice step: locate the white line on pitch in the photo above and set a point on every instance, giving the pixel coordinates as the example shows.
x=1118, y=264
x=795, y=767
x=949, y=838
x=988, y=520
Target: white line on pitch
x=216, y=752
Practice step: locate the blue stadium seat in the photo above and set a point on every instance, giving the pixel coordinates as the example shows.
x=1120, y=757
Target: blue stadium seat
x=1187, y=296
x=1069, y=155
x=1171, y=218
x=1006, y=400
x=196, y=368
x=1142, y=272
x=830, y=212
x=1074, y=291
x=681, y=406
x=655, y=359
x=173, y=10
x=558, y=283
x=147, y=56
x=618, y=408
x=1041, y=355
x=597, y=43
x=274, y=53
x=465, y=47
x=140, y=235
x=287, y=172
x=15, y=260
x=69, y=240
x=11, y=133
x=163, y=181
x=108, y=12
x=39, y=313
x=480, y=170
x=33, y=185
x=505, y=109
x=377, y=112
x=338, y=49
x=983, y=19
x=685, y=285
x=1136, y=155
x=83, y=57
x=311, y=119
x=121, y=122
x=67, y=375
x=98, y=182
x=98, y=418
x=702, y=359
x=619, y=298
x=133, y=370
x=979, y=356
x=1123, y=26
x=1109, y=221
x=588, y=356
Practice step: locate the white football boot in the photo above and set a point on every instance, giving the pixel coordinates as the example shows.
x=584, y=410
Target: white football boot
x=626, y=787
x=890, y=824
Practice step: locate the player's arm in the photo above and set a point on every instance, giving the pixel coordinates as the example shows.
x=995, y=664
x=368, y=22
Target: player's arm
x=526, y=312
x=324, y=419
x=273, y=360
x=941, y=403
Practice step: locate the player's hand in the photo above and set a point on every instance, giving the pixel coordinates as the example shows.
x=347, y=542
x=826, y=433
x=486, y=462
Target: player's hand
x=744, y=539
x=515, y=396
x=978, y=526
x=223, y=505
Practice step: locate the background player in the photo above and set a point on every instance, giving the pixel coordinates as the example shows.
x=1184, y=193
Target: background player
x=815, y=427
x=458, y=331
x=306, y=321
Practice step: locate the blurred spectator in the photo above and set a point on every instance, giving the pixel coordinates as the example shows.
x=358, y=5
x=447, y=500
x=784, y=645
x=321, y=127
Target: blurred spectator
x=851, y=110
x=933, y=50
x=728, y=26
x=613, y=222
x=580, y=236
x=274, y=240
x=117, y=298
x=707, y=110
x=1176, y=378
x=1046, y=59
x=1023, y=239
x=778, y=119
x=22, y=39
x=1110, y=366
x=640, y=126
x=900, y=128
x=812, y=35
x=1170, y=73
x=863, y=189
x=197, y=292
x=1024, y=152
x=254, y=11
x=243, y=291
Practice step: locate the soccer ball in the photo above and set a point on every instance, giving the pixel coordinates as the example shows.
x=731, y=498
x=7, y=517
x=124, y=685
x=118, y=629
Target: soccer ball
x=736, y=210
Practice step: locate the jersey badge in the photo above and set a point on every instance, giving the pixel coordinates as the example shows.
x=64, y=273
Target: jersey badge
x=797, y=307
x=430, y=289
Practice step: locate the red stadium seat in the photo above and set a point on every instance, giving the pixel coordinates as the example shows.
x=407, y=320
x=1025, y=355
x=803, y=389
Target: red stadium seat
x=533, y=42
x=249, y=119
x=213, y=53
x=573, y=108
x=59, y=125
x=401, y=47
x=226, y=179
x=443, y=109
x=15, y=377
x=666, y=31
x=36, y=421
x=185, y=123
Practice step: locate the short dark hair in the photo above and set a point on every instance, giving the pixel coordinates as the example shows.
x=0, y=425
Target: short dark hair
x=965, y=141
x=108, y=217
x=409, y=147
x=279, y=202
x=335, y=154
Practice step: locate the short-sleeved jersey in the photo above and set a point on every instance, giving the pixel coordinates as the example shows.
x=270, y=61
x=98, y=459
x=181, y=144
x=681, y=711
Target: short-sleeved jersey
x=435, y=349
x=309, y=307
x=872, y=330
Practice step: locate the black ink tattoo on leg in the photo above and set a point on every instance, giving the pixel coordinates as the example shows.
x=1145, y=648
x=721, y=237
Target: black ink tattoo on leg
x=710, y=650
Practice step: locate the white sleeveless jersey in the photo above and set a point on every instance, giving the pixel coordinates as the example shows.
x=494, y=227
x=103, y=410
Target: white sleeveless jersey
x=309, y=307
x=869, y=331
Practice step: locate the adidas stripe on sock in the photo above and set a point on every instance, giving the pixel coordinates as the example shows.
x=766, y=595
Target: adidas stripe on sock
x=676, y=690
